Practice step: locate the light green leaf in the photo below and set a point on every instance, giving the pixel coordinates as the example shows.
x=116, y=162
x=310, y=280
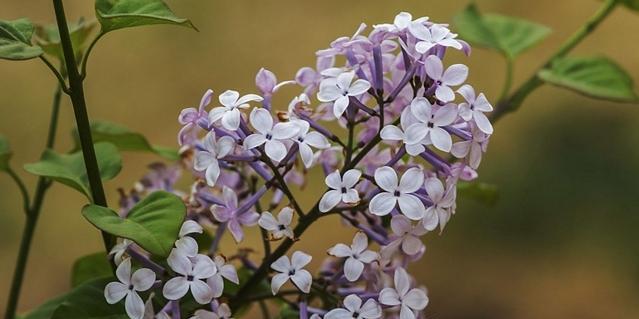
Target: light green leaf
x=153, y=223
x=85, y=301
x=126, y=140
x=69, y=169
x=486, y=194
x=597, y=77
x=119, y=14
x=5, y=153
x=49, y=39
x=509, y=35
x=89, y=267
x=15, y=40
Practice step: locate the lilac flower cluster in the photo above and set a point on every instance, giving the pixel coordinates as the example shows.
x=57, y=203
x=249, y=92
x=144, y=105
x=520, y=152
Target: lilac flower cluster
x=412, y=129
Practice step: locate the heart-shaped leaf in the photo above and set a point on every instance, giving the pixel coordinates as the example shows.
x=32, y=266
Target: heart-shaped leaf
x=90, y=267
x=509, y=35
x=126, y=140
x=69, y=169
x=15, y=40
x=119, y=14
x=153, y=223
x=49, y=39
x=5, y=153
x=597, y=77
x=483, y=193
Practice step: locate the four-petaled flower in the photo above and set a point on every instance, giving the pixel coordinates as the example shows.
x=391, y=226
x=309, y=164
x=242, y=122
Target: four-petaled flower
x=406, y=237
x=434, y=121
x=455, y=75
x=341, y=189
x=401, y=22
x=270, y=135
x=119, y=250
x=187, y=244
x=207, y=159
x=432, y=36
x=306, y=139
x=223, y=312
x=356, y=256
x=398, y=192
x=229, y=112
x=353, y=308
x=224, y=270
x=472, y=148
x=127, y=288
x=190, y=116
x=340, y=89
x=292, y=269
x=192, y=273
x=474, y=108
x=443, y=201
x=230, y=215
x=279, y=227
x=409, y=300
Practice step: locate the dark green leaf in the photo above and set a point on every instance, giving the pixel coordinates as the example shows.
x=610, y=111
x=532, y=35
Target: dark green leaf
x=69, y=169
x=597, y=77
x=90, y=267
x=126, y=140
x=631, y=4
x=486, y=194
x=153, y=223
x=85, y=301
x=509, y=35
x=49, y=39
x=5, y=153
x=119, y=14
x=15, y=40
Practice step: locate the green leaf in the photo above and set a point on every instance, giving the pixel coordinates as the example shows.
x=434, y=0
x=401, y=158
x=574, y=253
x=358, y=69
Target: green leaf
x=153, y=223
x=631, y=4
x=5, y=153
x=49, y=39
x=486, y=194
x=509, y=35
x=598, y=77
x=15, y=40
x=126, y=140
x=85, y=301
x=90, y=267
x=69, y=169
x=119, y=14
x=286, y=312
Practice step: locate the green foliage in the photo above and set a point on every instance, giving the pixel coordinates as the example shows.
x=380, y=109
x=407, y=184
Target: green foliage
x=508, y=35
x=85, y=301
x=597, y=77
x=48, y=38
x=153, y=223
x=631, y=4
x=69, y=169
x=88, y=267
x=286, y=312
x=119, y=14
x=125, y=139
x=5, y=153
x=483, y=193
x=15, y=40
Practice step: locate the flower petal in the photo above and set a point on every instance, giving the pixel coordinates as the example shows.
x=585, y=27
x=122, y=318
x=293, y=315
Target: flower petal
x=353, y=268
x=275, y=150
x=352, y=303
x=268, y=222
x=351, y=196
x=441, y=139
x=416, y=299
x=285, y=130
x=433, y=67
x=456, y=74
x=134, y=306
x=175, y=288
x=201, y=292
x=382, y=204
x=231, y=119
x=386, y=178
x=351, y=177
x=282, y=264
x=444, y=93
x=411, y=206
x=412, y=180
x=482, y=122
x=123, y=272
x=254, y=140
x=303, y=280
x=300, y=259
x=340, y=105
x=229, y=98
x=359, y=87
x=143, y=279
x=261, y=120
x=389, y=297
x=401, y=280
x=115, y=291
x=277, y=281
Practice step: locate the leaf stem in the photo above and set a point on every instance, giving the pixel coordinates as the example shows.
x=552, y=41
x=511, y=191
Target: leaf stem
x=58, y=74
x=512, y=103
x=83, y=66
x=23, y=189
x=508, y=81
x=81, y=115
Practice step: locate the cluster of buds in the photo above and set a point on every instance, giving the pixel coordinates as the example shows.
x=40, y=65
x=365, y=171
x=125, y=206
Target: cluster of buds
x=412, y=129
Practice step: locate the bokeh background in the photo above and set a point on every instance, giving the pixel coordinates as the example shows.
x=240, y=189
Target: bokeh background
x=562, y=241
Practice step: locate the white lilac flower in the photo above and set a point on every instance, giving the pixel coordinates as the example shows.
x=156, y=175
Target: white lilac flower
x=398, y=192
x=280, y=227
x=433, y=36
x=223, y=311
x=443, y=202
x=406, y=237
x=292, y=269
x=187, y=244
x=229, y=113
x=341, y=189
x=192, y=274
x=401, y=22
x=224, y=271
x=434, y=121
x=207, y=160
x=474, y=108
x=229, y=214
x=353, y=308
x=270, y=135
x=409, y=300
x=340, y=89
x=455, y=75
x=306, y=139
x=127, y=288
x=356, y=256
x=472, y=148
x=119, y=250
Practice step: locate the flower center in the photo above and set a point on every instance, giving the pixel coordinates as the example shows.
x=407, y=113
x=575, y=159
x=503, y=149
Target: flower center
x=355, y=314
x=438, y=82
x=269, y=136
x=281, y=227
x=291, y=272
x=343, y=190
x=300, y=139
x=131, y=287
x=396, y=193
x=430, y=125
x=189, y=278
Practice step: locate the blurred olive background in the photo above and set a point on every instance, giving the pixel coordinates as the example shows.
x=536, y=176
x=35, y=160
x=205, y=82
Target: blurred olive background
x=562, y=242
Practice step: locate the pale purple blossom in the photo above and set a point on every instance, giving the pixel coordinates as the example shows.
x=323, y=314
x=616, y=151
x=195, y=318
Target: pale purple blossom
x=475, y=107
x=229, y=214
x=224, y=271
x=410, y=301
x=292, y=269
x=341, y=189
x=192, y=275
x=432, y=36
x=354, y=307
x=229, y=113
x=127, y=288
x=357, y=255
x=454, y=75
x=189, y=118
x=206, y=160
x=434, y=120
x=278, y=227
x=339, y=90
x=272, y=136
x=441, y=209
x=398, y=192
